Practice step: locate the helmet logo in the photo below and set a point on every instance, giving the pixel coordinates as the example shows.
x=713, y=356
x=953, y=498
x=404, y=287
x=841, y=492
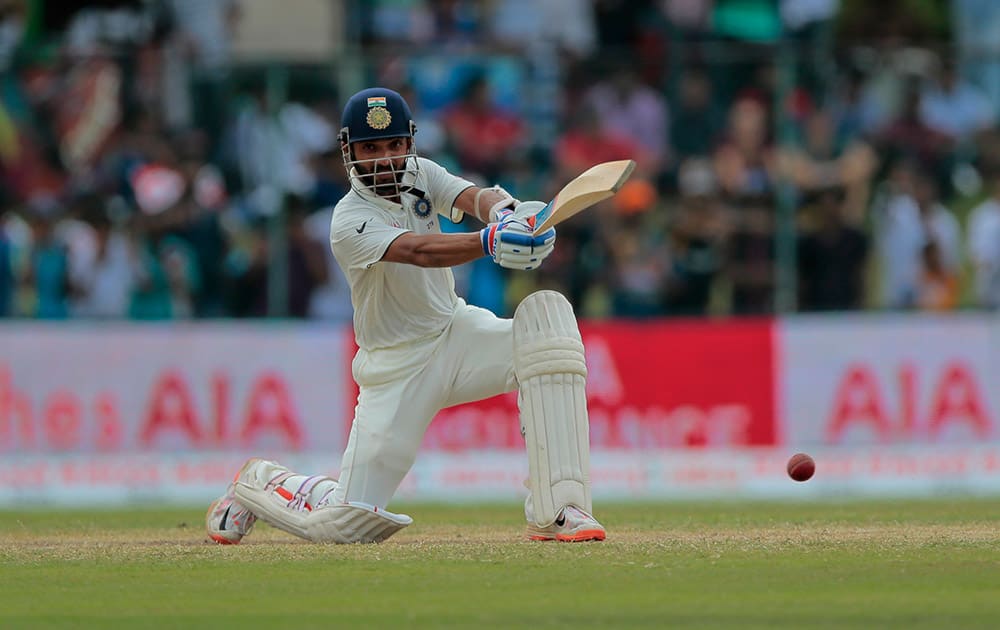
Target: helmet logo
x=378, y=118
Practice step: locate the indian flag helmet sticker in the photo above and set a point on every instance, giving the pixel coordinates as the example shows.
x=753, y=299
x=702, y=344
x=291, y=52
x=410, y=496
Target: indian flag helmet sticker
x=376, y=101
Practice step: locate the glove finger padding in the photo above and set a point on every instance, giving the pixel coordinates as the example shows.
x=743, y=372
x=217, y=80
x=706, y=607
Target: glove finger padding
x=522, y=262
x=516, y=249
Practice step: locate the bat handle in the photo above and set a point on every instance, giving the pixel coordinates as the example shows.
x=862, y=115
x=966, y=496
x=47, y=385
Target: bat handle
x=541, y=217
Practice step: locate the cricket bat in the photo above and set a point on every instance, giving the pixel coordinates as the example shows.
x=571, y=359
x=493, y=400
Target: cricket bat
x=595, y=184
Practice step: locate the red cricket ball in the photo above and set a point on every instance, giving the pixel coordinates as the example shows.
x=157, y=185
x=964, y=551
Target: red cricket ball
x=801, y=467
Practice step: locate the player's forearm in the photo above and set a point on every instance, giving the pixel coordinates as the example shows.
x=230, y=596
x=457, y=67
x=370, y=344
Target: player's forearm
x=435, y=250
x=489, y=197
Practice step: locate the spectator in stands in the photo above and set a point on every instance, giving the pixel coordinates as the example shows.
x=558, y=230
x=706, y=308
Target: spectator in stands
x=832, y=255
x=568, y=25
x=983, y=242
x=13, y=18
x=640, y=258
x=159, y=161
x=394, y=22
x=140, y=140
x=746, y=163
x=938, y=288
x=627, y=107
x=751, y=255
x=198, y=218
x=331, y=298
x=46, y=276
x=104, y=280
x=586, y=142
x=274, y=153
x=305, y=266
x=697, y=120
x=912, y=217
x=746, y=166
x=908, y=134
x=181, y=196
x=854, y=113
x=167, y=277
x=485, y=138
x=203, y=38
x=698, y=240
x=954, y=107
x=939, y=222
x=823, y=162
x=974, y=27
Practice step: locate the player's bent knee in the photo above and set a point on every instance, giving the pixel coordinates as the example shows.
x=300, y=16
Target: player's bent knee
x=546, y=337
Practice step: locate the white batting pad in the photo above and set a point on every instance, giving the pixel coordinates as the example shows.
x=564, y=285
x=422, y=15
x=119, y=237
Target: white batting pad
x=552, y=372
x=354, y=522
x=340, y=523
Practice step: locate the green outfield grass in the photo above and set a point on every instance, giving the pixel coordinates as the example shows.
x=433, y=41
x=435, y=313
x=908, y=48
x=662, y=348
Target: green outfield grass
x=871, y=565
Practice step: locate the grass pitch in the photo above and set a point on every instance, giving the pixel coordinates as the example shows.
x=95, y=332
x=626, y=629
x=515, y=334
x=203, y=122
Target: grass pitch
x=871, y=565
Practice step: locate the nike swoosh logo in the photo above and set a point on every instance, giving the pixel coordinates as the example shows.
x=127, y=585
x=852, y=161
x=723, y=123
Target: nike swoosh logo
x=362, y=228
x=222, y=525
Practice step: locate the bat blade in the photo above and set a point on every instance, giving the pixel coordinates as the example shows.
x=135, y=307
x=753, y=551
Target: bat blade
x=595, y=184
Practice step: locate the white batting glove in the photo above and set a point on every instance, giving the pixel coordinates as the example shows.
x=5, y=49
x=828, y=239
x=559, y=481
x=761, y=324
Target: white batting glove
x=511, y=244
x=526, y=210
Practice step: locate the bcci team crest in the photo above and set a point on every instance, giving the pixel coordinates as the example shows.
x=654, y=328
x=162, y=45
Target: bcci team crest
x=379, y=118
x=422, y=208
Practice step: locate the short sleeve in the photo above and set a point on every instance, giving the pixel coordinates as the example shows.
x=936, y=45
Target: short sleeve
x=443, y=188
x=361, y=243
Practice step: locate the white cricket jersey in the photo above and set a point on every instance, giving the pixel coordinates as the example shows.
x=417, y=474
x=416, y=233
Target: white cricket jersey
x=395, y=302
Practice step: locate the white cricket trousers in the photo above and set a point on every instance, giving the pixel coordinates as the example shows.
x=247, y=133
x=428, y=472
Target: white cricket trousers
x=402, y=388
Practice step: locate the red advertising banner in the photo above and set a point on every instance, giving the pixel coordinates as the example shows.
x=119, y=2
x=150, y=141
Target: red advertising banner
x=669, y=384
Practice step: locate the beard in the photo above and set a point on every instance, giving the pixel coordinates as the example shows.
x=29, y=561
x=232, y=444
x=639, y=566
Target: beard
x=383, y=181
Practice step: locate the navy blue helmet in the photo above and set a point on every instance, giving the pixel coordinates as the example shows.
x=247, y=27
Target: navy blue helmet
x=374, y=114
x=378, y=114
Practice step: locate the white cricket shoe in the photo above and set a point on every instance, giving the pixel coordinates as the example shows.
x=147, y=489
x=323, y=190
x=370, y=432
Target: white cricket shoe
x=571, y=525
x=227, y=521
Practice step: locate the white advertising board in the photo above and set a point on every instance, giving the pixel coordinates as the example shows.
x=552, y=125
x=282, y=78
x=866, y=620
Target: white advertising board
x=887, y=380
x=71, y=388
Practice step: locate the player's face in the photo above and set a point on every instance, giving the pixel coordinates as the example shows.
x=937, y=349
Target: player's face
x=382, y=163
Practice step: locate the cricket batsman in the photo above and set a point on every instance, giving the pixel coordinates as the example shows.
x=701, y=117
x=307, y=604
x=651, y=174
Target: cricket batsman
x=422, y=348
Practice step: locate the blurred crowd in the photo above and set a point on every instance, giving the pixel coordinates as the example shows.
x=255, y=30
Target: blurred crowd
x=146, y=175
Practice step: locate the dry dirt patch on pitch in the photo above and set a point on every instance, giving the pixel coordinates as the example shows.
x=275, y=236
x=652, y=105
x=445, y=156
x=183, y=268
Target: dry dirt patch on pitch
x=485, y=543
